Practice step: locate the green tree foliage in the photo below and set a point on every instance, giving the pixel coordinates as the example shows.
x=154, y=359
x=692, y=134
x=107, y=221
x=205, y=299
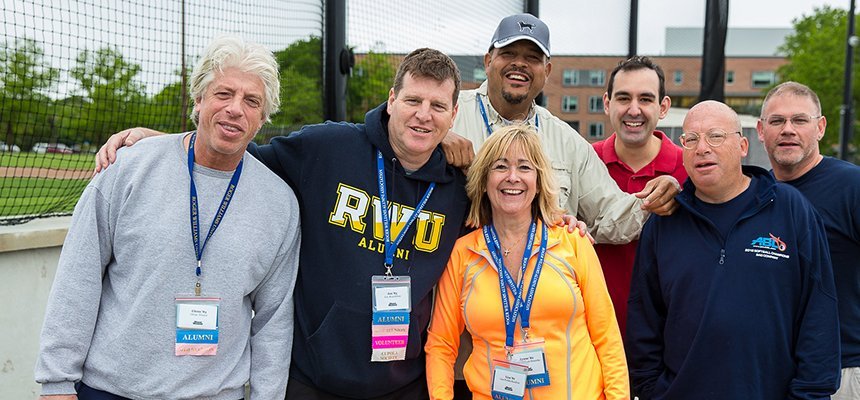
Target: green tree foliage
x=165, y=111
x=816, y=57
x=115, y=100
x=301, y=83
x=25, y=110
x=372, y=78
x=302, y=86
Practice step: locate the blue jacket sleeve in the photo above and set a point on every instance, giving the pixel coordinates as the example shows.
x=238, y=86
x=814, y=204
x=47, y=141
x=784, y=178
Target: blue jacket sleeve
x=646, y=316
x=283, y=156
x=817, y=350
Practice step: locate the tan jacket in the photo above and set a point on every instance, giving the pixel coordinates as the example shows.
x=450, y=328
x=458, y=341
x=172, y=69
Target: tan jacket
x=586, y=189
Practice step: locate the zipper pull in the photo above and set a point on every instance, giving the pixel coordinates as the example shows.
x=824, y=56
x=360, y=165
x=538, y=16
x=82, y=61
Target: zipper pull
x=722, y=256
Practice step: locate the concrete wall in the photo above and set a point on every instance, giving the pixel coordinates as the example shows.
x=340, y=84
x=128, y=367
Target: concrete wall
x=28, y=261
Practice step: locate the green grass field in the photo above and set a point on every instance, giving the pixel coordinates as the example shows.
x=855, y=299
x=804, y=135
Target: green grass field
x=25, y=196
x=54, y=161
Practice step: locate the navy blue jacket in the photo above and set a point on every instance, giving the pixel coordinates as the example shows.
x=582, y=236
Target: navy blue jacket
x=833, y=187
x=332, y=169
x=749, y=316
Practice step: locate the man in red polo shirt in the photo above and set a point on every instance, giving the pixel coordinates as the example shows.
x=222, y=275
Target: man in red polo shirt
x=635, y=100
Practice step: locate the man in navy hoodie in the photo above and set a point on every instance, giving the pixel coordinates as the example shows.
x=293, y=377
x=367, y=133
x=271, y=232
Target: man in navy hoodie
x=790, y=127
x=732, y=295
x=339, y=172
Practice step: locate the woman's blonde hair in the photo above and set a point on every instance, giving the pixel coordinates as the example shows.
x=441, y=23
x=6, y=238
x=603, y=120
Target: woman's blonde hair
x=545, y=205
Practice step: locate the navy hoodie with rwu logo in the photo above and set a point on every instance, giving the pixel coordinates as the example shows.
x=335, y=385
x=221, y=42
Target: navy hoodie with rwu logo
x=752, y=315
x=332, y=169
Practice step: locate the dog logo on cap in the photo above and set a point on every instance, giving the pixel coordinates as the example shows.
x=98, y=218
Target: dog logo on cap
x=526, y=25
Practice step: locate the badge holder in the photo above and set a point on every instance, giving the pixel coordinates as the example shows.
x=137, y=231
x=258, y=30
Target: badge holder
x=392, y=302
x=509, y=380
x=531, y=354
x=196, y=325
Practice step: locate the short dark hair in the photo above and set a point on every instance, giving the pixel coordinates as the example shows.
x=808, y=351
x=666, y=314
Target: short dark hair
x=636, y=63
x=428, y=63
x=793, y=88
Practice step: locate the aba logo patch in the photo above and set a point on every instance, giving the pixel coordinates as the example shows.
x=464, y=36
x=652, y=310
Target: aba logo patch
x=771, y=247
x=771, y=242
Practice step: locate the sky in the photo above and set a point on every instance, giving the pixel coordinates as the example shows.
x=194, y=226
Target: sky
x=576, y=26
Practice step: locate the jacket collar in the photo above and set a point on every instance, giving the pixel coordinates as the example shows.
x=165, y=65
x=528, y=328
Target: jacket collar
x=479, y=245
x=765, y=186
x=436, y=169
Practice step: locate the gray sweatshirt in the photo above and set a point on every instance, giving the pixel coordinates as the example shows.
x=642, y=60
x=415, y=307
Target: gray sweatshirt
x=111, y=317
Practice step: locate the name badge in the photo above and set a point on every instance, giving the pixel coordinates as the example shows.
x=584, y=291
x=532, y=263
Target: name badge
x=196, y=326
x=509, y=380
x=390, y=325
x=532, y=355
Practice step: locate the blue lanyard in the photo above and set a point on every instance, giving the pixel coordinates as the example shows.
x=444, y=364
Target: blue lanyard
x=195, y=214
x=487, y=120
x=507, y=282
x=391, y=247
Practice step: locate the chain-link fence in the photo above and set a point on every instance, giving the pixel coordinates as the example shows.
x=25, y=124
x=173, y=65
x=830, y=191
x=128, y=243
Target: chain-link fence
x=74, y=72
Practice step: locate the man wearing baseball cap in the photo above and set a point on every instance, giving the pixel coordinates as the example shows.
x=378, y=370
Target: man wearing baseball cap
x=518, y=65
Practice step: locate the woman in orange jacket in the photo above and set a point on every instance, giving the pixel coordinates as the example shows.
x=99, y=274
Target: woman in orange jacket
x=531, y=295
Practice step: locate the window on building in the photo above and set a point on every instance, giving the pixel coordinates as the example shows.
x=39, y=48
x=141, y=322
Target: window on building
x=762, y=79
x=730, y=77
x=678, y=77
x=479, y=74
x=595, y=104
x=596, y=77
x=574, y=125
x=595, y=130
x=570, y=77
x=570, y=104
x=583, y=77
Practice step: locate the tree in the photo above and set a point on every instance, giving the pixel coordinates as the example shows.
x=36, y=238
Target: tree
x=302, y=86
x=165, y=109
x=300, y=65
x=24, y=77
x=371, y=80
x=116, y=99
x=816, y=57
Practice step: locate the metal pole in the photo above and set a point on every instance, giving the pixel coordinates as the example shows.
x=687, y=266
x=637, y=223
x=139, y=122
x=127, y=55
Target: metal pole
x=847, y=101
x=633, y=32
x=334, y=47
x=533, y=7
x=184, y=91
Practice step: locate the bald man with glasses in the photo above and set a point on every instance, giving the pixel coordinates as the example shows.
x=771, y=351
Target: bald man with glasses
x=733, y=294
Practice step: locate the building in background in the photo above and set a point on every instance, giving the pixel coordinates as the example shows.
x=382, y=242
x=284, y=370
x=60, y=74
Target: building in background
x=576, y=85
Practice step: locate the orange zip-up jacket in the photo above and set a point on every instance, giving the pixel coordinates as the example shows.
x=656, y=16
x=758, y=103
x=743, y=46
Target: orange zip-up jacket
x=572, y=311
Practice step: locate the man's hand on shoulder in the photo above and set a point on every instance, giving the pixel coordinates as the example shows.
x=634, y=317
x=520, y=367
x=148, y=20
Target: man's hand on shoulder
x=573, y=224
x=107, y=153
x=659, y=195
x=458, y=150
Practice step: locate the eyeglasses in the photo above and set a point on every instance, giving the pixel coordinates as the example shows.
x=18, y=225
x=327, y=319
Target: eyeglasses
x=713, y=138
x=797, y=120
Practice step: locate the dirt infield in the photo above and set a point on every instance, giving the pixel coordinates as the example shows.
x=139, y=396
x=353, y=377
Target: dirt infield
x=50, y=173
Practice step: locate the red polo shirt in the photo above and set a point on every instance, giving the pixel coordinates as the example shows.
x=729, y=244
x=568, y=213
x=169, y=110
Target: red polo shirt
x=617, y=260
